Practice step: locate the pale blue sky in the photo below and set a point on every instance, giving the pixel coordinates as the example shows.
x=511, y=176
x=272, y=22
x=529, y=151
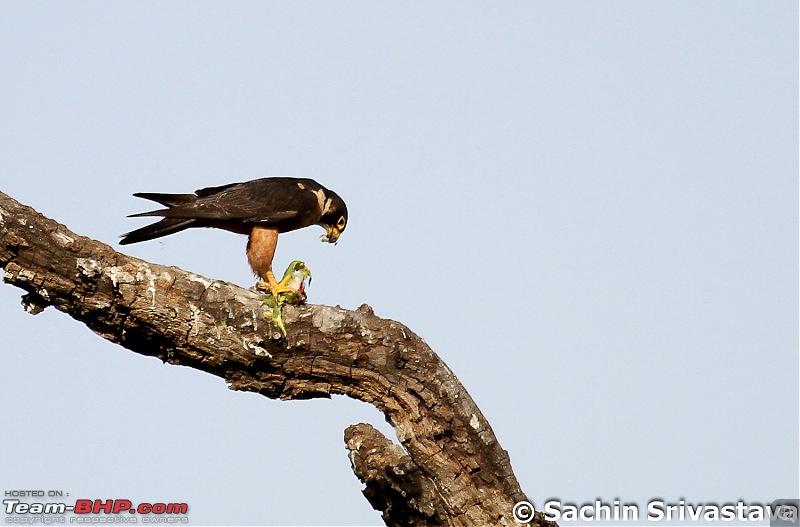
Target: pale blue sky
x=589, y=210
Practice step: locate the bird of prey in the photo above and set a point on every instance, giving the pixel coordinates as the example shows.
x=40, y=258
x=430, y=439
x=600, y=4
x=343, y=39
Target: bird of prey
x=262, y=209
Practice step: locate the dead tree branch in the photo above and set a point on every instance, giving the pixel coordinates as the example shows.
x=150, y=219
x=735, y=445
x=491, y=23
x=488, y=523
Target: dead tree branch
x=450, y=469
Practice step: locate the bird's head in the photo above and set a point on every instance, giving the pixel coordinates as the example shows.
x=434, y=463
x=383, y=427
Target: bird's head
x=334, y=220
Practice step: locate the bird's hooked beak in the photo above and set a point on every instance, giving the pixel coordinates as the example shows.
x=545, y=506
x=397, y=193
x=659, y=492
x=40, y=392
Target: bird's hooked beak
x=331, y=234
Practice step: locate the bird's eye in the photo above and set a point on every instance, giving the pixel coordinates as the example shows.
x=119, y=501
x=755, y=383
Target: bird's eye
x=341, y=223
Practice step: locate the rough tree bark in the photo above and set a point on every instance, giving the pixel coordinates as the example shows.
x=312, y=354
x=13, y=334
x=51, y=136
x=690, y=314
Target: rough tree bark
x=450, y=469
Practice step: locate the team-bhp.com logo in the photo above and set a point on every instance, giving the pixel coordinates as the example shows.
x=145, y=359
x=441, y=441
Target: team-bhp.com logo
x=95, y=507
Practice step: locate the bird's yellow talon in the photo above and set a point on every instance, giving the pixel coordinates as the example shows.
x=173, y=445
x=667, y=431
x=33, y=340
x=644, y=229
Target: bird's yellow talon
x=291, y=288
x=275, y=288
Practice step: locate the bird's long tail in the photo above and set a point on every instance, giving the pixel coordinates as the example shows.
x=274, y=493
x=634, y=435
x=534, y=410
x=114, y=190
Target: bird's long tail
x=163, y=227
x=156, y=230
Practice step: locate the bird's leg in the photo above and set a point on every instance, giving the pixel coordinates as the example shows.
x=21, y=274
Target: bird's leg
x=260, y=250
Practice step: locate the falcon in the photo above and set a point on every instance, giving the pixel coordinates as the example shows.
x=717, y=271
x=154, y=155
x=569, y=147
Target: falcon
x=262, y=209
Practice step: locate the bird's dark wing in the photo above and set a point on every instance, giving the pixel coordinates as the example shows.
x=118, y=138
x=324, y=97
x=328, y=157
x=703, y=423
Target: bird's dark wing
x=264, y=201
